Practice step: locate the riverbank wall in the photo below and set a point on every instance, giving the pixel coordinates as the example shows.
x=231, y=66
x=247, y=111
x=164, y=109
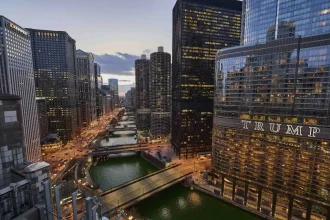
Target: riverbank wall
x=210, y=193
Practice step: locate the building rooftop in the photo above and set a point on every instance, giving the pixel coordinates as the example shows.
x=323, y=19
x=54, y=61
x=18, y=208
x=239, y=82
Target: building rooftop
x=36, y=166
x=9, y=97
x=228, y=4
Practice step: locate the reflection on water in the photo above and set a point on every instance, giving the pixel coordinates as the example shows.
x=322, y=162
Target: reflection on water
x=180, y=203
x=195, y=199
x=116, y=171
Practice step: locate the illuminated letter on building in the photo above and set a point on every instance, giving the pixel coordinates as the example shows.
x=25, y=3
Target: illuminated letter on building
x=271, y=127
x=296, y=131
x=245, y=124
x=313, y=131
x=258, y=126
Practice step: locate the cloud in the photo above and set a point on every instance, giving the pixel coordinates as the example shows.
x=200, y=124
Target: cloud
x=147, y=52
x=124, y=88
x=117, y=64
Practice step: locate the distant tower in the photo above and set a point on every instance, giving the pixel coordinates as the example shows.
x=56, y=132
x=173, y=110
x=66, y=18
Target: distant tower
x=159, y=96
x=86, y=83
x=113, y=86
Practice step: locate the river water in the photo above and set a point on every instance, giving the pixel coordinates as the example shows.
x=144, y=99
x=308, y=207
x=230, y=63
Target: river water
x=175, y=203
x=180, y=203
x=115, y=171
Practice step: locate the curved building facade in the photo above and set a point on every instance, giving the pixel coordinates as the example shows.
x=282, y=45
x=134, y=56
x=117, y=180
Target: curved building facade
x=271, y=144
x=160, y=94
x=307, y=18
x=142, y=72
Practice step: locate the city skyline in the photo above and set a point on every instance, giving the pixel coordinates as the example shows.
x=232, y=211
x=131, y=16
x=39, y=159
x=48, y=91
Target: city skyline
x=110, y=27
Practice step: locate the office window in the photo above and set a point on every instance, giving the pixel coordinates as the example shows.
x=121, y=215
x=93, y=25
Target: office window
x=10, y=116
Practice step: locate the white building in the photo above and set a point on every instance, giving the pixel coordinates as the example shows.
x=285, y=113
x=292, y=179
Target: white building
x=17, y=78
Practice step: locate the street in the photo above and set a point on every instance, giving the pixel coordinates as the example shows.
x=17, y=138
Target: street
x=78, y=146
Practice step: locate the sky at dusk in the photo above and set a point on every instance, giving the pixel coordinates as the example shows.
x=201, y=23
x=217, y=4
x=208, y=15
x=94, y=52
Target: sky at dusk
x=117, y=32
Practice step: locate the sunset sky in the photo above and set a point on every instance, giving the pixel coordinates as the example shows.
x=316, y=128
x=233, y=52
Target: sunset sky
x=116, y=31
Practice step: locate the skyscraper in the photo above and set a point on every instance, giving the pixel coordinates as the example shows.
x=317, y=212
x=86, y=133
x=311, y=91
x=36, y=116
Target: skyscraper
x=86, y=86
x=159, y=95
x=98, y=84
x=271, y=125
x=113, y=84
x=20, y=182
x=16, y=68
x=42, y=116
x=142, y=71
x=54, y=61
x=200, y=28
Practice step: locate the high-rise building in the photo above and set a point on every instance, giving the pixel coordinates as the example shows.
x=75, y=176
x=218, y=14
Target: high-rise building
x=200, y=29
x=20, y=182
x=98, y=85
x=142, y=70
x=113, y=84
x=271, y=139
x=87, y=87
x=159, y=95
x=98, y=77
x=130, y=99
x=42, y=117
x=142, y=67
x=54, y=60
x=16, y=68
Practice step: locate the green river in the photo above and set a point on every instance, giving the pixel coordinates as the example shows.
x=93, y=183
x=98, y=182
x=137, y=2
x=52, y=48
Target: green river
x=174, y=203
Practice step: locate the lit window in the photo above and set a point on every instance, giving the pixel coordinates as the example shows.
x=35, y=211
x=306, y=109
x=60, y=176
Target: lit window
x=10, y=116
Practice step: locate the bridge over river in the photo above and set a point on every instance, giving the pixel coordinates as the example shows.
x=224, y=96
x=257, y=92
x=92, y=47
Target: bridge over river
x=130, y=193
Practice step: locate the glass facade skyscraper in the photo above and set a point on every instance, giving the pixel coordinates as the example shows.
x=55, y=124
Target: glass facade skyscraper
x=284, y=18
x=271, y=149
x=113, y=85
x=16, y=71
x=54, y=58
x=86, y=87
x=200, y=29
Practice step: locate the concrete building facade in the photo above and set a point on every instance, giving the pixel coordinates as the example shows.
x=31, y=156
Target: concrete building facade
x=16, y=68
x=159, y=95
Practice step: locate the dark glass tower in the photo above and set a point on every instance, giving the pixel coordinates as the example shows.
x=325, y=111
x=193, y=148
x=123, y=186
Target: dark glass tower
x=271, y=145
x=200, y=29
x=54, y=59
x=86, y=87
x=98, y=84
